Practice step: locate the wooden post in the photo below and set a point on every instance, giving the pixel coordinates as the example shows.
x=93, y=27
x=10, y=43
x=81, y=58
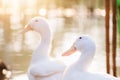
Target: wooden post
x=107, y=9
x=114, y=37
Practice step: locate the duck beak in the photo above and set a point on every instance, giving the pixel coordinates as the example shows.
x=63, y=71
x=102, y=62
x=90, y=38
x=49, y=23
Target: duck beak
x=69, y=51
x=27, y=28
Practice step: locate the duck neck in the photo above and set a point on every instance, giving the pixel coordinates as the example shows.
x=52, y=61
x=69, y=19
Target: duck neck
x=85, y=60
x=42, y=51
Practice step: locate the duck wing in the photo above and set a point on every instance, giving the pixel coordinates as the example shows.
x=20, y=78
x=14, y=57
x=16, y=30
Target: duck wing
x=47, y=68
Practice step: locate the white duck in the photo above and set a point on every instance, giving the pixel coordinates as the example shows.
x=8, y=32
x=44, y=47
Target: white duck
x=41, y=66
x=78, y=70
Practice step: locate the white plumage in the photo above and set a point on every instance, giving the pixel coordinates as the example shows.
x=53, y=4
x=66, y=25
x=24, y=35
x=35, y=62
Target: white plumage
x=78, y=70
x=41, y=66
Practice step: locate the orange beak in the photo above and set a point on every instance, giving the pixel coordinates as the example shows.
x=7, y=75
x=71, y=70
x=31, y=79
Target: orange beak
x=27, y=28
x=69, y=51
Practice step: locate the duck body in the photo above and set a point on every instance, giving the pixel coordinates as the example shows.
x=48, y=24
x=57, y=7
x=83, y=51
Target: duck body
x=41, y=66
x=73, y=74
x=78, y=70
x=45, y=71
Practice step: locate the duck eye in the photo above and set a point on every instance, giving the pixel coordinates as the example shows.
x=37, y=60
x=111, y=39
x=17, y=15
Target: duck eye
x=36, y=20
x=80, y=37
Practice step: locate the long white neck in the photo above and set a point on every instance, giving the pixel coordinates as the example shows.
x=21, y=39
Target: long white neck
x=42, y=51
x=85, y=60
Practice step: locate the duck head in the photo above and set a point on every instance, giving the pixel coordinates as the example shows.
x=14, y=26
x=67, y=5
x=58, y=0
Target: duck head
x=82, y=44
x=37, y=24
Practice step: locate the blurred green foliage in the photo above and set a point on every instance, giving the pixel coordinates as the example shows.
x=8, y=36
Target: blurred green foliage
x=118, y=18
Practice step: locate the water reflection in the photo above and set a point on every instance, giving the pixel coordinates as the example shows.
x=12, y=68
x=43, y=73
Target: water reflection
x=21, y=77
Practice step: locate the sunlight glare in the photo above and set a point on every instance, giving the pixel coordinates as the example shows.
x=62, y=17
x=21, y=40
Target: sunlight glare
x=42, y=11
x=5, y=2
x=100, y=12
x=69, y=12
